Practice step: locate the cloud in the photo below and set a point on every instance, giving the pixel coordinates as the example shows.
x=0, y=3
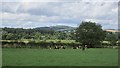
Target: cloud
x=53, y=13
x=60, y=0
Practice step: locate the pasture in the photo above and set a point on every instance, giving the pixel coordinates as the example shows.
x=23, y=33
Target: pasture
x=59, y=57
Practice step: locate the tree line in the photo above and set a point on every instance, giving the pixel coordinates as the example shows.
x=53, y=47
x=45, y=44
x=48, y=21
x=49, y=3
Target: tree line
x=39, y=34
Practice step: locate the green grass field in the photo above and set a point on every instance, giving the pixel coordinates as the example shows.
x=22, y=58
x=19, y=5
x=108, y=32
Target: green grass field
x=0, y=57
x=60, y=57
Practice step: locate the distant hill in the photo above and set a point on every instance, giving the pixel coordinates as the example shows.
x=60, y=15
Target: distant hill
x=68, y=28
x=43, y=28
x=62, y=28
x=57, y=28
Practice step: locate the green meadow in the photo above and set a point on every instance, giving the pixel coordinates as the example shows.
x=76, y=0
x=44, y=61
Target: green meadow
x=59, y=57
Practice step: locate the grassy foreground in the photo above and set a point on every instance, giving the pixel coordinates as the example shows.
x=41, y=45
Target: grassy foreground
x=67, y=57
x=0, y=57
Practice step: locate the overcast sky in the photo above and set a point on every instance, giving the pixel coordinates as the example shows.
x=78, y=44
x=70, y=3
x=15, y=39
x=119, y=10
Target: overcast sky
x=21, y=13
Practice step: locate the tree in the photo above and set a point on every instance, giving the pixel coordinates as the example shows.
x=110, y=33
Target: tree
x=90, y=34
x=111, y=37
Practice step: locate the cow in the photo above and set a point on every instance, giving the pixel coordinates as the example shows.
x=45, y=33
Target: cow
x=56, y=47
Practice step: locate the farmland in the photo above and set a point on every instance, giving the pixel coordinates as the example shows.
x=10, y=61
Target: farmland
x=59, y=57
x=86, y=45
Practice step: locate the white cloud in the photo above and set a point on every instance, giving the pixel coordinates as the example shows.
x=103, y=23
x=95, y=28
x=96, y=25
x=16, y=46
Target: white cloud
x=11, y=16
x=60, y=12
x=27, y=17
x=59, y=0
x=115, y=10
x=76, y=10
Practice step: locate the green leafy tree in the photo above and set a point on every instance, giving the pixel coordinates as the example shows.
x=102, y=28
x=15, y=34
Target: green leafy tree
x=90, y=34
x=111, y=37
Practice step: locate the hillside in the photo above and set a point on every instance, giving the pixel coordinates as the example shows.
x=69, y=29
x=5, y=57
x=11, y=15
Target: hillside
x=57, y=28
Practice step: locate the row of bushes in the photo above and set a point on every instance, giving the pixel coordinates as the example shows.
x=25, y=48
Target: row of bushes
x=43, y=44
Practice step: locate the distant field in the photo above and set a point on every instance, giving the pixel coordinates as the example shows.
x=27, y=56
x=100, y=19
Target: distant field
x=60, y=57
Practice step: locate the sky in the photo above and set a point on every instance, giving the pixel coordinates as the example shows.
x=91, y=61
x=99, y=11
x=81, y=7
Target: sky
x=42, y=13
